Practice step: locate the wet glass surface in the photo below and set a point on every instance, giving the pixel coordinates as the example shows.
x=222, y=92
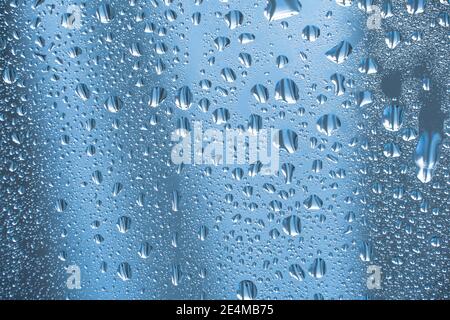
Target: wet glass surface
x=100, y=198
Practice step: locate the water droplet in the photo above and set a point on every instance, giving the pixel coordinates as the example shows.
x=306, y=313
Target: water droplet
x=145, y=250
x=292, y=225
x=281, y=61
x=203, y=233
x=221, y=116
x=415, y=6
x=117, y=188
x=97, y=177
x=245, y=59
x=61, y=205
x=328, y=124
x=260, y=92
x=157, y=96
x=124, y=271
x=393, y=118
x=287, y=91
x=183, y=98
x=393, y=39
x=282, y=9
x=311, y=33
x=246, y=38
x=318, y=268
x=338, y=83
x=286, y=139
x=366, y=251
x=228, y=74
x=177, y=274
x=313, y=203
x=391, y=150
x=82, y=91
x=123, y=224
x=113, y=104
x=234, y=19
x=254, y=124
x=427, y=154
x=221, y=43
x=105, y=13
x=368, y=66
x=296, y=272
x=340, y=52
x=9, y=75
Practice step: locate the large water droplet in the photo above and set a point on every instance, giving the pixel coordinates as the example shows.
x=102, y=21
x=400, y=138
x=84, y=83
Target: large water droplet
x=157, y=96
x=105, y=13
x=427, y=154
x=318, y=268
x=328, y=124
x=113, y=104
x=247, y=290
x=292, y=225
x=286, y=139
x=339, y=53
x=124, y=271
x=183, y=98
x=260, y=92
x=234, y=19
x=393, y=118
